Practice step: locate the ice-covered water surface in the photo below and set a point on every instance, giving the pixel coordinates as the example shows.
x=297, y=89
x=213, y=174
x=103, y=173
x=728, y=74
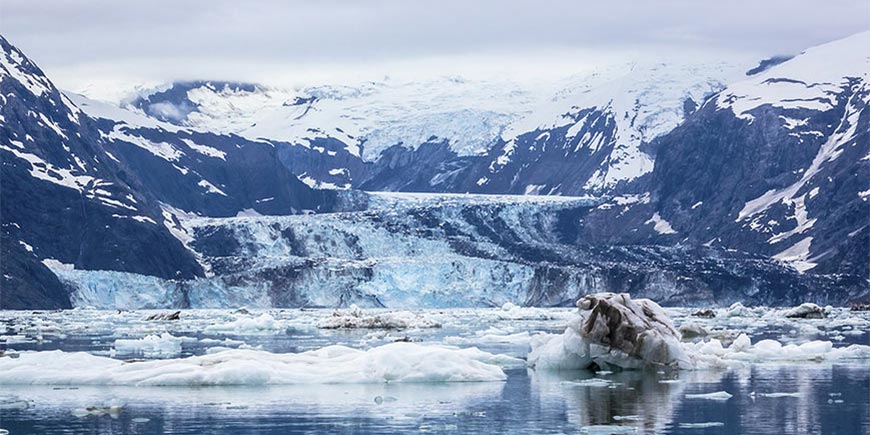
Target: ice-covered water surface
x=764, y=394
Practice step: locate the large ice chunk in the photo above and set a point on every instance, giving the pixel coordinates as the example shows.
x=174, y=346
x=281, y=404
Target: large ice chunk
x=161, y=345
x=356, y=318
x=612, y=330
x=394, y=362
x=806, y=311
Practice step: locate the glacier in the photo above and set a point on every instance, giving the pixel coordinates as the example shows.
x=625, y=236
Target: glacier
x=434, y=250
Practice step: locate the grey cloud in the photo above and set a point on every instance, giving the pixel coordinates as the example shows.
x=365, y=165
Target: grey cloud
x=171, y=36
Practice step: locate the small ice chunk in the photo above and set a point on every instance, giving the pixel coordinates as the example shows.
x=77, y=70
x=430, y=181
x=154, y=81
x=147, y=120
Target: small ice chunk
x=356, y=318
x=510, y=311
x=692, y=330
x=263, y=323
x=701, y=425
x=775, y=395
x=741, y=343
x=14, y=404
x=175, y=315
x=718, y=395
x=607, y=429
x=164, y=344
x=805, y=311
x=113, y=411
x=591, y=382
x=738, y=310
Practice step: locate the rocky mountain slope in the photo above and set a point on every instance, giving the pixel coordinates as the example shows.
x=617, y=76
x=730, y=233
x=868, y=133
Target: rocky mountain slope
x=777, y=164
x=99, y=194
x=702, y=189
x=586, y=134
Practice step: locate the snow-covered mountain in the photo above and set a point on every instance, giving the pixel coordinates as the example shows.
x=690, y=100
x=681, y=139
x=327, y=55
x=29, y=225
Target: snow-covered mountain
x=583, y=134
x=701, y=187
x=777, y=164
x=105, y=194
x=64, y=199
x=595, y=135
x=368, y=117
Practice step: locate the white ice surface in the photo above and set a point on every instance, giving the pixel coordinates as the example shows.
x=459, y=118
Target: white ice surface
x=812, y=79
x=161, y=345
x=356, y=318
x=573, y=350
x=396, y=362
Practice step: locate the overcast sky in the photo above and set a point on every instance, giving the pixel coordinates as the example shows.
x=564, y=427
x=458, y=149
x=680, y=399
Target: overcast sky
x=80, y=42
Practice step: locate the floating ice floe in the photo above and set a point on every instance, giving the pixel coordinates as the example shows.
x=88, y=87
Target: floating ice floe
x=164, y=344
x=113, y=411
x=608, y=429
x=356, y=318
x=612, y=330
x=718, y=395
x=511, y=311
x=394, y=362
x=175, y=315
x=711, y=354
x=774, y=395
x=806, y=311
x=704, y=425
x=738, y=310
x=263, y=323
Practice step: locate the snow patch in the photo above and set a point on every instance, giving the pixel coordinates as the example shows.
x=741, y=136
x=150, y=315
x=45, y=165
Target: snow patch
x=660, y=225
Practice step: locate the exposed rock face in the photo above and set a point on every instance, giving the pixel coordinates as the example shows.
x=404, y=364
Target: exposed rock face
x=99, y=194
x=64, y=198
x=456, y=251
x=775, y=165
x=613, y=331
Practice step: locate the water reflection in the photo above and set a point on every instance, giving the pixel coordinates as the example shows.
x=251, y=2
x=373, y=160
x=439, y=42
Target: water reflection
x=185, y=410
x=640, y=399
x=821, y=399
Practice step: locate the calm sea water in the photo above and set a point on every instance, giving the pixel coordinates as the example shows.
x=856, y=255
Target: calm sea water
x=806, y=398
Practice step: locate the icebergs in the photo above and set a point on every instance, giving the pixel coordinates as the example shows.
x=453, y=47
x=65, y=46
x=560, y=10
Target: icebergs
x=356, y=318
x=113, y=411
x=710, y=354
x=395, y=362
x=738, y=310
x=510, y=311
x=718, y=395
x=806, y=311
x=264, y=323
x=612, y=330
x=152, y=346
x=175, y=315
x=704, y=425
